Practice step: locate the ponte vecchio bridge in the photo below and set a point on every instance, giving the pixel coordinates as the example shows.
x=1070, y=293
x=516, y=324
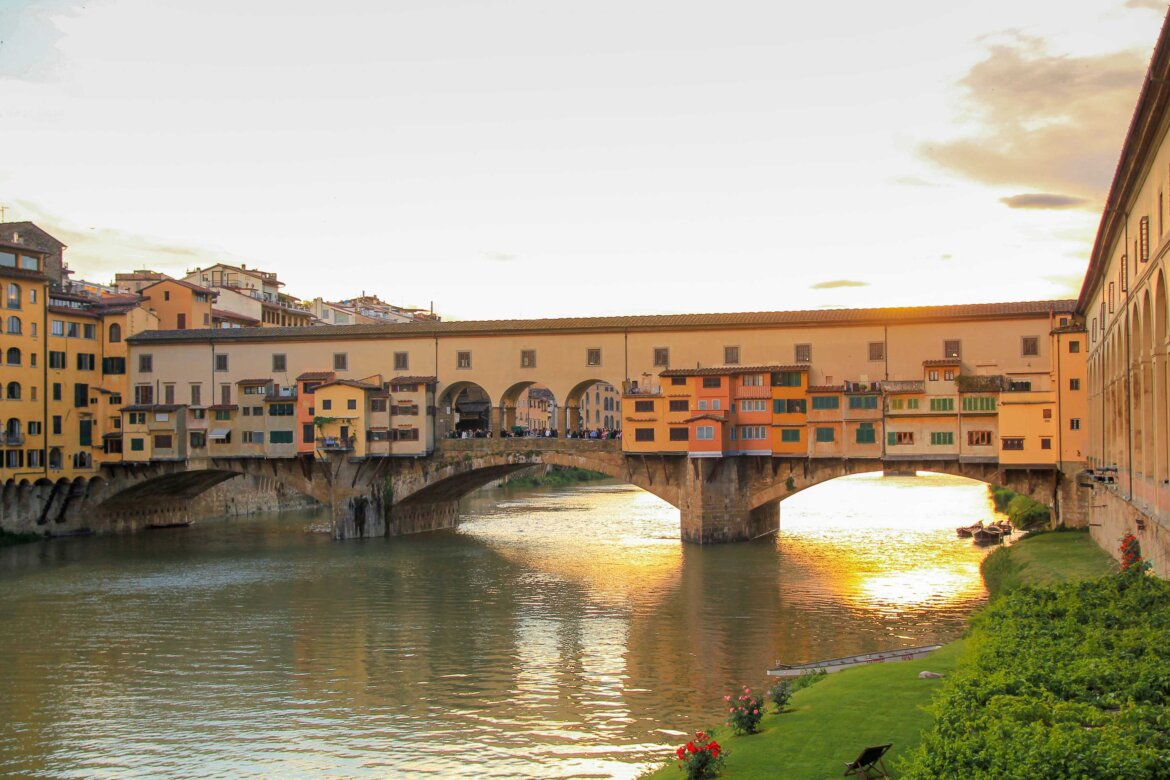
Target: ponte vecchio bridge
x=359, y=417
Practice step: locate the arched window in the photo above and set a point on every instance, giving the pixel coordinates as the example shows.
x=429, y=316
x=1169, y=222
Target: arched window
x=55, y=458
x=13, y=356
x=13, y=393
x=14, y=325
x=115, y=333
x=13, y=295
x=12, y=429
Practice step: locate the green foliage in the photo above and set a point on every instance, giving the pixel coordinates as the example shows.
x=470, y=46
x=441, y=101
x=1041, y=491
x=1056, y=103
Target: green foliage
x=9, y=538
x=1068, y=681
x=779, y=694
x=701, y=757
x=790, y=484
x=557, y=476
x=1000, y=496
x=321, y=421
x=808, y=678
x=1027, y=512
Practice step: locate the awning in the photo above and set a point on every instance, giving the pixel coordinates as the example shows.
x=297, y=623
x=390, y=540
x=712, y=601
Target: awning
x=219, y=433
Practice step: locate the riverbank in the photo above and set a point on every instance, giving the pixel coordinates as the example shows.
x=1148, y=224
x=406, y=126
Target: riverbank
x=8, y=539
x=558, y=477
x=831, y=722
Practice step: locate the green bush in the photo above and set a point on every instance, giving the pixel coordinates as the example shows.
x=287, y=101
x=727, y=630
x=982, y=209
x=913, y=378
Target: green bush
x=1068, y=681
x=1001, y=496
x=1027, y=512
x=557, y=476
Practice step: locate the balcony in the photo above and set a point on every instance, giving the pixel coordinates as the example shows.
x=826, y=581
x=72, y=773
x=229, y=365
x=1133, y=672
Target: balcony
x=753, y=391
x=336, y=443
x=11, y=439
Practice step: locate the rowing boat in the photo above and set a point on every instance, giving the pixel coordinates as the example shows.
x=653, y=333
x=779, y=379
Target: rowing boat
x=837, y=664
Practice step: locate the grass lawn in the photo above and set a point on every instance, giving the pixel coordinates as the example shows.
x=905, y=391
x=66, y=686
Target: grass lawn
x=831, y=722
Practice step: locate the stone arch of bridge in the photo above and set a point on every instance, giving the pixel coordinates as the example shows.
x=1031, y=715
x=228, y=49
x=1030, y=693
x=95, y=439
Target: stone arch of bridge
x=574, y=395
x=454, y=480
x=446, y=405
x=803, y=475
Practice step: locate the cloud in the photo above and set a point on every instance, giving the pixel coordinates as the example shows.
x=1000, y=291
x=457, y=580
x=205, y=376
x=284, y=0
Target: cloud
x=28, y=43
x=1044, y=200
x=1070, y=284
x=500, y=257
x=946, y=257
x=1049, y=122
x=913, y=181
x=1149, y=5
x=837, y=283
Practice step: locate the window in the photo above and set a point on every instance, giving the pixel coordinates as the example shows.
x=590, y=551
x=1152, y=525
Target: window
x=826, y=402
x=943, y=438
x=753, y=432
x=56, y=359
x=168, y=393
x=900, y=438
x=80, y=395
x=12, y=392
x=1030, y=346
x=645, y=406
x=866, y=434
x=85, y=361
x=795, y=406
x=825, y=435
x=786, y=379
x=1045, y=443
x=896, y=404
x=163, y=441
x=951, y=348
x=949, y=374
x=401, y=361
x=198, y=439
x=730, y=355
x=72, y=330
x=1111, y=297
x=1019, y=386
x=1074, y=423
x=661, y=356
x=376, y=405
x=14, y=325
x=679, y=405
x=326, y=404
x=863, y=402
x=752, y=380
x=1144, y=239
x=911, y=403
x=253, y=437
x=463, y=360
x=1047, y=414
x=308, y=433
x=137, y=418
x=1012, y=443
x=225, y=394
x=702, y=403
x=979, y=438
x=942, y=404
x=115, y=333
x=643, y=434
x=13, y=295
x=932, y=375
x=145, y=364
x=288, y=410
x=1074, y=384
x=1074, y=346
x=137, y=444
x=528, y=358
x=221, y=362
x=56, y=425
x=753, y=405
x=803, y=353
x=56, y=328
x=678, y=434
x=279, y=361
x=89, y=331
x=877, y=350
x=114, y=365
x=34, y=427
x=979, y=403
x=593, y=357
x=790, y=435
x=340, y=361
x=705, y=432
x=351, y=403
x=281, y=437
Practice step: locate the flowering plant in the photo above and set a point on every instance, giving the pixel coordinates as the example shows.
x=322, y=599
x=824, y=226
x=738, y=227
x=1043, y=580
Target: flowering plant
x=1131, y=554
x=744, y=712
x=701, y=757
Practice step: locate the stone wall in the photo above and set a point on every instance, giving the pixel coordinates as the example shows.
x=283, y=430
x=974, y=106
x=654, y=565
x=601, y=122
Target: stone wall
x=1111, y=517
x=247, y=495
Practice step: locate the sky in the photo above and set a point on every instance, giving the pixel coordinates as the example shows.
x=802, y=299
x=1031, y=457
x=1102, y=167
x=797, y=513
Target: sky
x=533, y=158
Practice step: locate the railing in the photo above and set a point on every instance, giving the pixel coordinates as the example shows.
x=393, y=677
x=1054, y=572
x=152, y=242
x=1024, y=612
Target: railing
x=336, y=443
x=11, y=439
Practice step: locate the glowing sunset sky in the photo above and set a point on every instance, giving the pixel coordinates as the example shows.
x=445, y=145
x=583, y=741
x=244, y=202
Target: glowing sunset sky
x=536, y=158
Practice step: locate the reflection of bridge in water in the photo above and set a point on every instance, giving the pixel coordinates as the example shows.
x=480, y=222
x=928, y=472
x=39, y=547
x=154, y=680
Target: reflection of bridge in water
x=719, y=499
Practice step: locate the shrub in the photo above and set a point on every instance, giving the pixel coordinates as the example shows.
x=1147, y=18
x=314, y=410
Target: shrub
x=1068, y=681
x=808, y=678
x=1131, y=555
x=779, y=694
x=744, y=713
x=701, y=757
x=1027, y=512
x=1001, y=496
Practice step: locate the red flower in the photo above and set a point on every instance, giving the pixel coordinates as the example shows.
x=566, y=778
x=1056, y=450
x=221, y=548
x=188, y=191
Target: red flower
x=691, y=747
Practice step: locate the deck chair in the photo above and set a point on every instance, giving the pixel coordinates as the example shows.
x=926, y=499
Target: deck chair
x=869, y=764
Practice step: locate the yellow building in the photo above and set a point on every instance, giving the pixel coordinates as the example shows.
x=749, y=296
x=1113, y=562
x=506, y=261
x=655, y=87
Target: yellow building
x=22, y=400
x=179, y=304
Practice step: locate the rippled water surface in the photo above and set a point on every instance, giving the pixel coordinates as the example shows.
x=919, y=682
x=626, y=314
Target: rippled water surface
x=558, y=633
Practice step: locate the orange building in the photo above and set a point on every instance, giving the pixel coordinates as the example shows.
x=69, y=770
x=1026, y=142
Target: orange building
x=179, y=304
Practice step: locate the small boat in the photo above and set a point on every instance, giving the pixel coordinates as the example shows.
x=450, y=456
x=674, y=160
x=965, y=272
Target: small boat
x=837, y=664
x=988, y=535
x=966, y=531
x=1004, y=527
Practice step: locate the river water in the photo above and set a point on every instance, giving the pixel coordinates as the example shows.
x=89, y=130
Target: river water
x=556, y=633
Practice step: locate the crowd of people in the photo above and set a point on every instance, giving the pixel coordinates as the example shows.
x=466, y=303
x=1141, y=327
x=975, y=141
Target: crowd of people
x=547, y=433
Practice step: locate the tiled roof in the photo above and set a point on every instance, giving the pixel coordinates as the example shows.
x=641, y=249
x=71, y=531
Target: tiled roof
x=223, y=407
x=895, y=386
x=223, y=314
x=350, y=383
x=152, y=408
x=826, y=388
x=808, y=318
x=312, y=375
x=414, y=380
x=253, y=381
x=707, y=416
x=720, y=371
x=183, y=283
x=941, y=363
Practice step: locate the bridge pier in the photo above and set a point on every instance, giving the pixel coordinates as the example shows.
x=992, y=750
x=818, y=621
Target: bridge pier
x=715, y=502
